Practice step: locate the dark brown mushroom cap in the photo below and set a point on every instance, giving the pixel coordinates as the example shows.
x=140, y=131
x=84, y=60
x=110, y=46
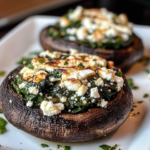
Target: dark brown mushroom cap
x=123, y=58
x=94, y=123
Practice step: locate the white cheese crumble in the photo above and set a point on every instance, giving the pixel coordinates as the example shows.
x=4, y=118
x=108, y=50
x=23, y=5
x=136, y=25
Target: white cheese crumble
x=100, y=28
x=33, y=90
x=110, y=75
x=99, y=82
x=53, y=79
x=73, y=51
x=103, y=103
x=29, y=104
x=64, y=22
x=76, y=14
x=94, y=92
x=72, y=85
x=50, y=109
x=63, y=99
x=82, y=90
x=22, y=85
x=51, y=54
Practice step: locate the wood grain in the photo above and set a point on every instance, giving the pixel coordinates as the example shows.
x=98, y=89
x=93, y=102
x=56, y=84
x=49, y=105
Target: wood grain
x=9, y=7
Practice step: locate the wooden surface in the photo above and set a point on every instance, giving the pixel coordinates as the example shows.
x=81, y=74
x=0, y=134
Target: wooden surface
x=10, y=7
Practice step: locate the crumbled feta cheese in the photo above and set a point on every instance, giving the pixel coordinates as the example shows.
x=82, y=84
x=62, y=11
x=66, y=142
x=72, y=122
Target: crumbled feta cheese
x=41, y=94
x=50, y=109
x=111, y=33
x=71, y=84
x=39, y=76
x=99, y=82
x=53, y=54
x=120, y=82
x=53, y=79
x=106, y=73
x=27, y=73
x=29, y=104
x=125, y=37
x=94, y=92
x=72, y=38
x=103, y=103
x=64, y=22
x=63, y=99
x=81, y=33
x=71, y=31
x=22, y=85
x=81, y=74
x=73, y=51
x=76, y=14
x=89, y=84
x=33, y=90
x=82, y=90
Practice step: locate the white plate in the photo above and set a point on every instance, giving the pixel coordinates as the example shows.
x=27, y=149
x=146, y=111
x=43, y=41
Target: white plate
x=132, y=135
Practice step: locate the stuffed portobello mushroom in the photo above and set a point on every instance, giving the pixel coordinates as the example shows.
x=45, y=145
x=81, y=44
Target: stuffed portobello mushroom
x=95, y=31
x=64, y=97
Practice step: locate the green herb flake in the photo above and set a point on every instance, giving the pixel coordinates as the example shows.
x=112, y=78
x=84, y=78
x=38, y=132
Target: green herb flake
x=105, y=147
x=1, y=110
x=147, y=71
x=41, y=60
x=58, y=146
x=146, y=95
x=30, y=66
x=2, y=73
x=44, y=145
x=81, y=65
x=82, y=57
x=94, y=59
x=2, y=125
x=67, y=148
x=139, y=101
x=66, y=63
x=131, y=84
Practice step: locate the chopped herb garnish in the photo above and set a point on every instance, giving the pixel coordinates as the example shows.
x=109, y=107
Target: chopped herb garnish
x=119, y=73
x=139, y=101
x=2, y=125
x=30, y=66
x=81, y=65
x=82, y=57
x=131, y=84
x=2, y=73
x=107, y=147
x=94, y=59
x=67, y=148
x=1, y=110
x=147, y=71
x=66, y=63
x=58, y=146
x=41, y=60
x=44, y=145
x=146, y=95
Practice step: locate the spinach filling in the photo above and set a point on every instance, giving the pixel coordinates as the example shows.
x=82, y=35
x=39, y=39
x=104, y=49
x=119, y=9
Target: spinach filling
x=74, y=104
x=58, y=32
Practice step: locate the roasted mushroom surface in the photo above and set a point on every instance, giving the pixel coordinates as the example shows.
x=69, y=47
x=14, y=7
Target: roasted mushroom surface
x=75, y=116
x=95, y=31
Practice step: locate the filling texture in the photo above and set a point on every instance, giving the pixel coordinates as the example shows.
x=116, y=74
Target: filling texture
x=71, y=83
